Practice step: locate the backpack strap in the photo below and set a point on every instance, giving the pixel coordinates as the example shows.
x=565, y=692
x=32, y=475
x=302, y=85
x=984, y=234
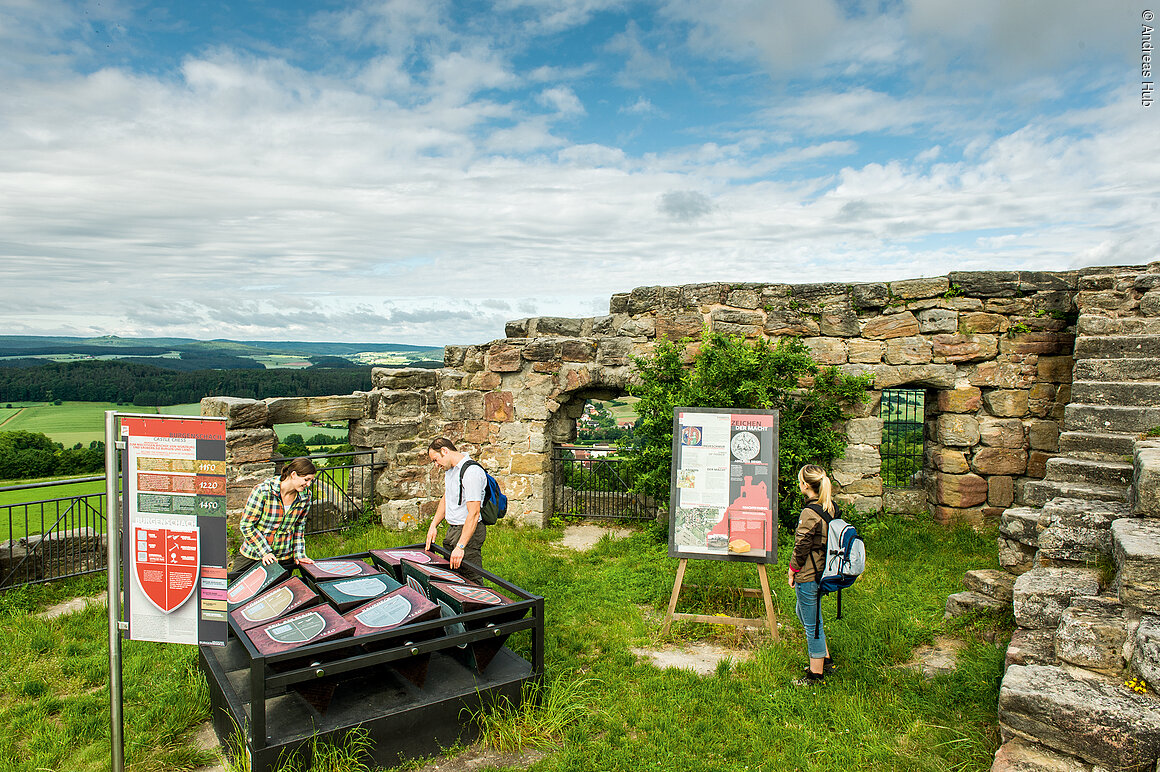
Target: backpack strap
x=463, y=471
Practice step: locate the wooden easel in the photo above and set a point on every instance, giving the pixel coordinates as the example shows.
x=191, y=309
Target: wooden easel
x=763, y=593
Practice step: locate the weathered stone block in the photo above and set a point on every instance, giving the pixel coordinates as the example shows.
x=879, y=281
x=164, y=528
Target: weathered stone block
x=951, y=461
x=614, y=352
x=372, y=434
x=960, y=490
x=950, y=516
x=638, y=327
x=403, y=377
x=459, y=405
x=986, y=284
x=864, y=431
x=250, y=446
x=541, y=350
x=1091, y=634
x=966, y=602
x=864, y=351
x=400, y=514
x=889, y=376
x=893, y=326
x=1001, y=432
x=957, y=430
x=827, y=351
x=963, y=348
x=498, y=406
x=1006, y=402
x=860, y=503
x=292, y=410
x=1146, y=480
x=1136, y=546
x=991, y=582
x=505, y=357
x=577, y=351
x=517, y=328
x=529, y=463
x=911, y=289
x=1097, y=721
x=977, y=323
x=1037, y=464
x=905, y=501
x=857, y=461
x=936, y=320
x=869, y=295
x=396, y=404
x=1024, y=524
x=782, y=323
x=1000, y=491
x=1042, y=594
x=961, y=400
x=840, y=322
x=555, y=325
x=1016, y=557
x=1145, y=658
x=1031, y=647
x=239, y=413
x=677, y=326
x=1004, y=461
x=1044, y=435
x=908, y=351
x=1055, y=369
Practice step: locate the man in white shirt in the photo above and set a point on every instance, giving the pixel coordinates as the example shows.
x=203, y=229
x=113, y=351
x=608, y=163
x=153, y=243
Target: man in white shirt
x=465, y=531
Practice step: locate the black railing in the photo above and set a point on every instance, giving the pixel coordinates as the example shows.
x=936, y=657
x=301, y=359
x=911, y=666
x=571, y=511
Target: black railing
x=592, y=482
x=53, y=538
x=903, y=416
x=343, y=489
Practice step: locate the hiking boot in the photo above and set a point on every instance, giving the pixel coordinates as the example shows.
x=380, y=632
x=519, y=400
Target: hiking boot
x=810, y=678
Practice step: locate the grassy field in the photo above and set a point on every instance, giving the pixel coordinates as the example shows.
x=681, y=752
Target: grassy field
x=44, y=509
x=71, y=422
x=613, y=711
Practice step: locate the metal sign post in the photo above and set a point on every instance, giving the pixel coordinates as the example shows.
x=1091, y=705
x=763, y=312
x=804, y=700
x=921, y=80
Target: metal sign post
x=169, y=536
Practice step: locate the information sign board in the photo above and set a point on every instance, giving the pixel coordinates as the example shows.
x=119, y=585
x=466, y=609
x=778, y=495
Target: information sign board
x=723, y=504
x=174, y=529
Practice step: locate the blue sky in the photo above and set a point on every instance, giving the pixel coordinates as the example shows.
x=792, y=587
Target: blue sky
x=423, y=171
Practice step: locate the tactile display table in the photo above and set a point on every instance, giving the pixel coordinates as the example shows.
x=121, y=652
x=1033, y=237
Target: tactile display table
x=407, y=686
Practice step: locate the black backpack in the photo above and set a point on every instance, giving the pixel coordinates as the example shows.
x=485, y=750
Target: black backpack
x=494, y=504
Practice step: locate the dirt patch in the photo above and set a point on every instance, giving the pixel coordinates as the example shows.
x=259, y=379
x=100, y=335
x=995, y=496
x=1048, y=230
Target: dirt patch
x=72, y=606
x=478, y=757
x=701, y=658
x=206, y=740
x=937, y=658
x=584, y=537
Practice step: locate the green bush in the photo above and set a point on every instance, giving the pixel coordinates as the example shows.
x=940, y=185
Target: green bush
x=727, y=372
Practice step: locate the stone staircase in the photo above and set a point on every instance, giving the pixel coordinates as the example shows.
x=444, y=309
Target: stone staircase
x=1082, y=631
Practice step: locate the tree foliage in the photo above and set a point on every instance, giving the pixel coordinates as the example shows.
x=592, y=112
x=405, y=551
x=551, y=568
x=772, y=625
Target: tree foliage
x=25, y=455
x=729, y=373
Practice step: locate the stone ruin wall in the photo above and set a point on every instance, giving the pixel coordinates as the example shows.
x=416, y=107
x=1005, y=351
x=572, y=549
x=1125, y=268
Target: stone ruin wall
x=993, y=350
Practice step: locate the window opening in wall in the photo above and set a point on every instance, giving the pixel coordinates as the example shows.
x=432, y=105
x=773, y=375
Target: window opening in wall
x=343, y=488
x=903, y=412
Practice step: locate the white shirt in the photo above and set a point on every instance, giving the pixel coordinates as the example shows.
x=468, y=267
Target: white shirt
x=474, y=481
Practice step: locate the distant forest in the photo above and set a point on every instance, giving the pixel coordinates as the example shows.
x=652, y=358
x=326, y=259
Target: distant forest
x=141, y=384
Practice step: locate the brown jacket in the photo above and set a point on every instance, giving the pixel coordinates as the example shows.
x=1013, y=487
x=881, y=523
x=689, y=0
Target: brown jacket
x=809, y=539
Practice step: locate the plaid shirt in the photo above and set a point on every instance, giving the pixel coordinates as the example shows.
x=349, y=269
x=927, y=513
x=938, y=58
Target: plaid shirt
x=267, y=528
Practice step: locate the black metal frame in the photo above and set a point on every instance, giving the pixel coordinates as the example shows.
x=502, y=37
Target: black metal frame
x=899, y=465
x=247, y=713
x=55, y=552
x=332, y=507
x=619, y=503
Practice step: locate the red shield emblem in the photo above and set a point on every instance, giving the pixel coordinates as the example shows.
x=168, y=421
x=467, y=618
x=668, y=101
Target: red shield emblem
x=166, y=565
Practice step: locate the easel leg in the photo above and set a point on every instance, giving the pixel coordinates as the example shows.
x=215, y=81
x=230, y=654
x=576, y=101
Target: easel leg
x=676, y=594
x=770, y=615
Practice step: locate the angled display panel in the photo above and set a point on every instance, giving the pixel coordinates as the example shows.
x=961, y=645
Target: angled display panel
x=723, y=501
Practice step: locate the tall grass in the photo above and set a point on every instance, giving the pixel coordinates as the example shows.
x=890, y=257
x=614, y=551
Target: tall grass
x=602, y=707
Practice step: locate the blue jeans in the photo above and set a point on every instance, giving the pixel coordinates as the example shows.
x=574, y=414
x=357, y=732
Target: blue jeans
x=809, y=614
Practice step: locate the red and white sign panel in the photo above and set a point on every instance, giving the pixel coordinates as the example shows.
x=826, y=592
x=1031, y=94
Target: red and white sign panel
x=166, y=565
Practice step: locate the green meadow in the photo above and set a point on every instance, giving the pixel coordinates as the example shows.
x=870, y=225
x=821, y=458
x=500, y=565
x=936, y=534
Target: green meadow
x=606, y=707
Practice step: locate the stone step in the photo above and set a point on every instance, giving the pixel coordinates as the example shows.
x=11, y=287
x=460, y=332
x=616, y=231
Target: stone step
x=1062, y=545
x=1019, y=755
x=1078, y=417
x=969, y=601
x=991, y=582
x=1134, y=393
x=1078, y=470
x=1042, y=594
x=1031, y=647
x=1136, y=549
x=1092, y=633
x=1036, y=493
x=1145, y=657
x=1135, y=369
x=1098, y=445
x=1102, y=325
x=1084, y=513
x=1095, y=719
x=1117, y=347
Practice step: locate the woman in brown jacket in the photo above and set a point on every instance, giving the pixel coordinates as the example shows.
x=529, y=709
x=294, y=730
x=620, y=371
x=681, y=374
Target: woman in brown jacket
x=809, y=554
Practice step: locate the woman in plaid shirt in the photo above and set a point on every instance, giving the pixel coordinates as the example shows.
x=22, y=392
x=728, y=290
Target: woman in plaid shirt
x=274, y=520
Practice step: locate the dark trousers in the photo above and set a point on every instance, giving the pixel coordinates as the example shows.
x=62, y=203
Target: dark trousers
x=472, y=551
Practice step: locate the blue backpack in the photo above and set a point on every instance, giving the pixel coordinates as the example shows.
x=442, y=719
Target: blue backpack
x=494, y=504
x=845, y=560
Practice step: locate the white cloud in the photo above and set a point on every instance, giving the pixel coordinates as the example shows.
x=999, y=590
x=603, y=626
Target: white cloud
x=561, y=99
